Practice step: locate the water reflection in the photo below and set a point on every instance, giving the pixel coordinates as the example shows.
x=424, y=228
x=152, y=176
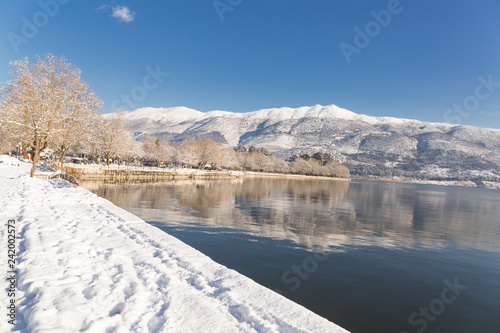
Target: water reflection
x=390, y=246
x=319, y=214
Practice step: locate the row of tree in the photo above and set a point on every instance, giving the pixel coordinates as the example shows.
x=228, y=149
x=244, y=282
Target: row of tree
x=205, y=153
x=47, y=105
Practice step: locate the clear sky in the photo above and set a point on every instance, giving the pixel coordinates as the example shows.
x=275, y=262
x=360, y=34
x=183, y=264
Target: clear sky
x=414, y=59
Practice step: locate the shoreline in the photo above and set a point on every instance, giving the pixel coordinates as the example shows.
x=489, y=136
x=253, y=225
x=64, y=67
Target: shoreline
x=85, y=264
x=254, y=174
x=447, y=183
x=149, y=174
x=186, y=174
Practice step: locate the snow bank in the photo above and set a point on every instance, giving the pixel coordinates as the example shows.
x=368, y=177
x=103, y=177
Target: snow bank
x=87, y=265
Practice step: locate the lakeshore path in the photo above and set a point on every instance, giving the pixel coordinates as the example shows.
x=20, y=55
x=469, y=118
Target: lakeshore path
x=86, y=265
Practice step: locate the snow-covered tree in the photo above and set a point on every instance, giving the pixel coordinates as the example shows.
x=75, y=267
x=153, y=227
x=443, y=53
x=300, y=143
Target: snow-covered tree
x=304, y=167
x=129, y=149
x=257, y=162
x=157, y=150
x=7, y=140
x=201, y=152
x=279, y=165
x=111, y=134
x=79, y=124
x=335, y=169
x=229, y=159
x=41, y=99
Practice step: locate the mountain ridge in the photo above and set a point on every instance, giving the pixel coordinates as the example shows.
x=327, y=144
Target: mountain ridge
x=370, y=146
x=329, y=111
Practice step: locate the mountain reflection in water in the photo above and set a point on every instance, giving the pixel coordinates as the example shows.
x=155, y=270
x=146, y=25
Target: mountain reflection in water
x=319, y=214
x=377, y=251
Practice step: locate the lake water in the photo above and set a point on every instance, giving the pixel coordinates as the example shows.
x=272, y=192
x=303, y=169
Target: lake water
x=369, y=256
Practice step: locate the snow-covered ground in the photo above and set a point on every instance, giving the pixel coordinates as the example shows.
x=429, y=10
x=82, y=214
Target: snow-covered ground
x=87, y=265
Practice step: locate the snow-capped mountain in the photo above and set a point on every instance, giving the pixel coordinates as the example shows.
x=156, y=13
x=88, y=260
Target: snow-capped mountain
x=377, y=146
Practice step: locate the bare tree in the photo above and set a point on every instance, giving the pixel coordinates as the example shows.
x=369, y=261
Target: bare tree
x=257, y=161
x=201, y=152
x=129, y=148
x=78, y=124
x=335, y=169
x=168, y=152
x=279, y=165
x=7, y=140
x=302, y=167
x=151, y=148
x=157, y=150
x=229, y=159
x=111, y=135
x=7, y=143
x=40, y=98
x=188, y=152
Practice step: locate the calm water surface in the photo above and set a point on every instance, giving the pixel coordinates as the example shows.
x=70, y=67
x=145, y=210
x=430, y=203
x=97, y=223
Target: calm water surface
x=369, y=256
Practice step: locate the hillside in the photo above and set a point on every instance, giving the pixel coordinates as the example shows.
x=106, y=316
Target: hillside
x=370, y=146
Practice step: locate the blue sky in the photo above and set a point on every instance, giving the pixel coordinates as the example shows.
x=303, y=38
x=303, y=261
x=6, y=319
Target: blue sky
x=422, y=59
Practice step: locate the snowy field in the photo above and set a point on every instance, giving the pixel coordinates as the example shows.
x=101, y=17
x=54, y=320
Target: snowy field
x=87, y=265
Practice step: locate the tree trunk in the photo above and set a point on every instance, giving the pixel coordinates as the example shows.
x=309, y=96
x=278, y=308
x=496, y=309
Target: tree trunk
x=36, y=157
x=24, y=151
x=64, y=151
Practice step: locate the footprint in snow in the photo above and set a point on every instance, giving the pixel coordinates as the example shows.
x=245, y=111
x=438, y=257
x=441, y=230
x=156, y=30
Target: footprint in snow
x=117, y=309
